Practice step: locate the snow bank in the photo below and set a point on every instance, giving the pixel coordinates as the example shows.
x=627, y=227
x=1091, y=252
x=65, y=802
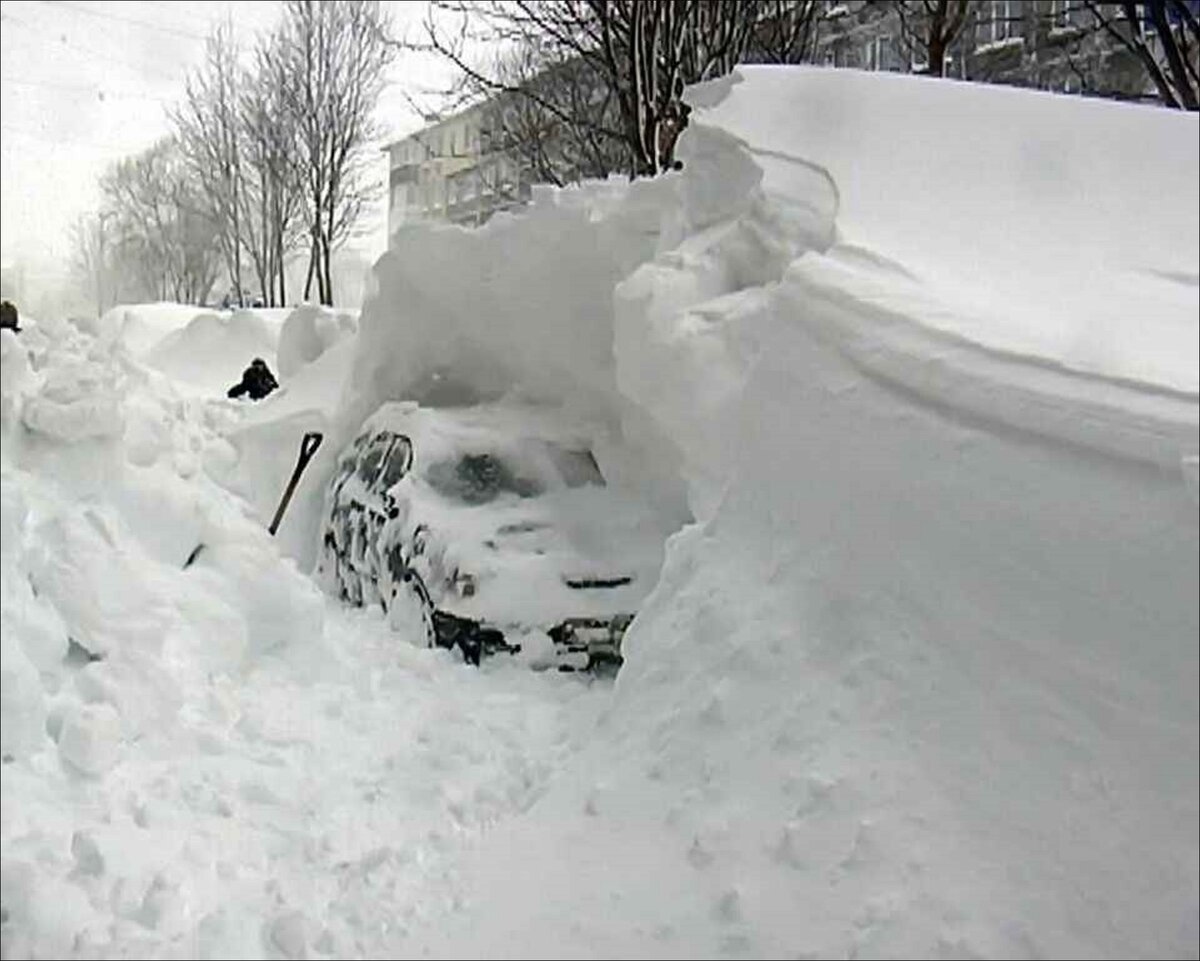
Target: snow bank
x=143, y=326
x=308, y=332
x=925, y=666
x=523, y=302
x=1062, y=228
x=211, y=352
x=105, y=499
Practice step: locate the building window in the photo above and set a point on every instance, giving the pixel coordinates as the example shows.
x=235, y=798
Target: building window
x=1003, y=22
x=876, y=53
x=1062, y=14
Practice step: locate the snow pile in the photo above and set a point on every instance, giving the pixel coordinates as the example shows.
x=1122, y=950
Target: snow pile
x=1073, y=238
x=211, y=352
x=141, y=327
x=308, y=332
x=104, y=501
x=925, y=667
x=460, y=315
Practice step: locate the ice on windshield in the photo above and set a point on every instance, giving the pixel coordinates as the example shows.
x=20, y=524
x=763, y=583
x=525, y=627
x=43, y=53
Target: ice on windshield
x=478, y=479
x=577, y=467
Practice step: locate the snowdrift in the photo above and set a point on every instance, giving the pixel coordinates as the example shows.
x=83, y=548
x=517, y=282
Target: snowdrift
x=307, y=333
x=211, y=352
x=112, y=616
x=920, y=680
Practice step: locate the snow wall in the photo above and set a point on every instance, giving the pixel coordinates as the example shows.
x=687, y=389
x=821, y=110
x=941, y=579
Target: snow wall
x=921, y=678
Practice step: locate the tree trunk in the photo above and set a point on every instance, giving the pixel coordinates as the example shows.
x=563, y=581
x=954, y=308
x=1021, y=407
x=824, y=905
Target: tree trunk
x=937, y=53
x=280, y=266
x=312, y=266
x=328, y=261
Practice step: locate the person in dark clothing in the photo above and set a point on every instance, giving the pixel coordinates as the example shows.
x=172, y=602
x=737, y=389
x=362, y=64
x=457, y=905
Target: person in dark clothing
x=257, y=381
x=8, y=317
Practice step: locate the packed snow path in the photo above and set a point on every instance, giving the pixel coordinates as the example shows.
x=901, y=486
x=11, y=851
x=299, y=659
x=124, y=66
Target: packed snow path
x=288, y=816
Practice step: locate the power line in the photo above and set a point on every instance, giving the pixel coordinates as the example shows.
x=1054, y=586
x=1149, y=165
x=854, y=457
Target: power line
x=96, y=90
x=174, y=6
x=95, y=54
x=59, y=141
x=104, y=15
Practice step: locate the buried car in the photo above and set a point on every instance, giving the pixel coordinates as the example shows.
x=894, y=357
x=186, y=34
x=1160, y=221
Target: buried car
x=489, y=528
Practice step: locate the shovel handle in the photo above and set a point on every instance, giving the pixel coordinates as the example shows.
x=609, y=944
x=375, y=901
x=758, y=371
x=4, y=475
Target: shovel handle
x=308, y=447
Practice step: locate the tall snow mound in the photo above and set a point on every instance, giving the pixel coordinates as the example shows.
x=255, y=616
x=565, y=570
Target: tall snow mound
x=523, y=302
x=141, y=327
x=308, y=332
x=921, y=679
x=1059, y=228
x=211, y=352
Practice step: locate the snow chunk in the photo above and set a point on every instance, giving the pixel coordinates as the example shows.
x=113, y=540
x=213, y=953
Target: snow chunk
x=22, y=706
x=78, y=398
x=90, y=738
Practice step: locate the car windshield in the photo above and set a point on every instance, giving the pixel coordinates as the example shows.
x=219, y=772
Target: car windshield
x=396, y=463
x=384, y=460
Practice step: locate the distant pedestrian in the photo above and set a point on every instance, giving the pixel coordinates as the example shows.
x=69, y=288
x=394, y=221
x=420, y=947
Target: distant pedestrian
x=8, y=317
x=257, y=381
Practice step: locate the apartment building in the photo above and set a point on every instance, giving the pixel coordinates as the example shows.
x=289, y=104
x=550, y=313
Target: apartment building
x=448, y=172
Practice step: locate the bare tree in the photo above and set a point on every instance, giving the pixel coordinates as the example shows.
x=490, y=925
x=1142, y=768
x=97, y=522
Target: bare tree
x=1163, y=36
x=785, y=31
x=271, y=199
x=537, y=131
x=164, y=241
x=208, y=128
x=93, y=255
x=928, y=29
x=333, y=54
x=635, y=55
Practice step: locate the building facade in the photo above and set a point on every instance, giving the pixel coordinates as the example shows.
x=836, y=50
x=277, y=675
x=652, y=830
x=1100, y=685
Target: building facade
x=1043, y=44
x=449, y=172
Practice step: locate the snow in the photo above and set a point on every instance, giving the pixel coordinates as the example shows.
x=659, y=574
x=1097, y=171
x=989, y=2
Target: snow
x=918, y=674
x=211, y=352
x=1043, y=223
x=308, y=332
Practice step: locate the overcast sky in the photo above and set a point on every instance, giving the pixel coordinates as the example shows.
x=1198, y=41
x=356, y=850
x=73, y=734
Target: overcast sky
x=84, y=84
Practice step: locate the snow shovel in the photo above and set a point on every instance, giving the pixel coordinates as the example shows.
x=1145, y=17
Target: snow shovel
x=308, y=447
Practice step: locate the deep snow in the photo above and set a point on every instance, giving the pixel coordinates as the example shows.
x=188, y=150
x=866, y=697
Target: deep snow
x=215, y=761
x=919, y=674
